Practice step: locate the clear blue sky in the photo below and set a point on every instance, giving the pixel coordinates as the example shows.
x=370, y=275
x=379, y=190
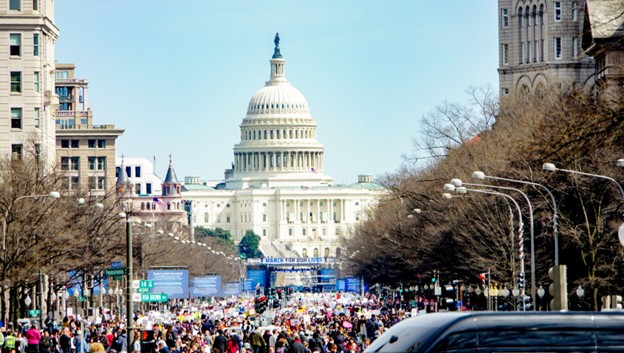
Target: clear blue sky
x=177, y=75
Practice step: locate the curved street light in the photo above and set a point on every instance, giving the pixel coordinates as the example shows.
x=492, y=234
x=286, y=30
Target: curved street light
x=463, y=190
x=550, y=167
x=458, y=182
x=481, y=176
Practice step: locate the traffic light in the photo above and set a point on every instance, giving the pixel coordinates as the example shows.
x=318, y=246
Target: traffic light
x=260, y=304
x=448, y=301
x=521, y=282
x=482, y=278
x=525, y=304
x=280, y=294
x=559, y=288
x=276, y=303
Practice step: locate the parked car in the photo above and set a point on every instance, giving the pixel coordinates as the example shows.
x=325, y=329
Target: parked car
x=505, y=332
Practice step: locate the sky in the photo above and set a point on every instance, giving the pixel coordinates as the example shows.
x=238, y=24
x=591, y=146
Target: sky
x=177, y=75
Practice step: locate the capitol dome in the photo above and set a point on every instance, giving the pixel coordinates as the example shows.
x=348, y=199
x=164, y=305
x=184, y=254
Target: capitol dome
x=278, y=145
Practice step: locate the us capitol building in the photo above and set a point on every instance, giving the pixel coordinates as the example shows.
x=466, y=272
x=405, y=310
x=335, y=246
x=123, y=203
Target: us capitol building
x=277, y=186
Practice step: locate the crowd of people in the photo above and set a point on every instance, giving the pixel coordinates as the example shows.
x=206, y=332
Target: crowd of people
x=302, y=325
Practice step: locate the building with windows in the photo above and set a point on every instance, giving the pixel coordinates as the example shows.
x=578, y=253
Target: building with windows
x=277, y=186
x=140, y=173
x=28, y=103
x=540, y=45
x=85, y=152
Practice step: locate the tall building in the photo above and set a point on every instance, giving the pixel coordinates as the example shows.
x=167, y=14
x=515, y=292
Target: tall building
x=540, y=45
x=85, y=152
x=27, y=99
x=277, y=187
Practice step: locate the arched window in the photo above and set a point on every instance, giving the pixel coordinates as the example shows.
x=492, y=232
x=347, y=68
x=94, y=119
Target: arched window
x=338, y=252
x=326, y=252
x=316, y=252
x=304, y=252
x=142, y=206
x=265, y=134
x=168, y=205
x=206, y=217
x=147, y=206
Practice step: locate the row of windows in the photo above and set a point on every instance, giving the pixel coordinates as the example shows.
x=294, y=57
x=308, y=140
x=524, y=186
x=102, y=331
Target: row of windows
x=278, y=134
x=277, y=106
x=16, y=5
x=526, y=56
x=15, y=44
x=17, y=118
x=94, y=182
x=533, y=17
x=73, y=163
x=137, y=173
x=146, y=206
x=315, y=252
x=76, y=143
x=16, y=81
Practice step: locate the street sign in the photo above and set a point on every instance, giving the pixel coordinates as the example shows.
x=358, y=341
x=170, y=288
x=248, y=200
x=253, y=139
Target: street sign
x=116, y=264
x=146, y=284
x=155, y=298
x=33, y=313
x=115, y=272
x=142, y=290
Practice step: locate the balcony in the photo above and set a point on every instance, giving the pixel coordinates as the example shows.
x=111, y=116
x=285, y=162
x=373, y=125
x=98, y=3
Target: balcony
x=72, y=113
x=70, y=81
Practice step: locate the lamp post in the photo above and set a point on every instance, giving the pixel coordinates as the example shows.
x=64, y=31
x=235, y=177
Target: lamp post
x=580, y=292
x=480, y=175
x=463, y=190
x=459, y=182
x=129, y=306
x=550, y=167
x=540, y=292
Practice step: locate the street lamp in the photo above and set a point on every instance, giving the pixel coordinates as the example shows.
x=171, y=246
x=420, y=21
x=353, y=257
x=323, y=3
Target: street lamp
x=550, y=167
x=481, y=176
x=458, y=182
x=463, y=190
x=129, y=302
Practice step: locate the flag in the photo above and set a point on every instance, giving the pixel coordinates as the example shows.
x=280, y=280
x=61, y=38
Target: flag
x=157, y=201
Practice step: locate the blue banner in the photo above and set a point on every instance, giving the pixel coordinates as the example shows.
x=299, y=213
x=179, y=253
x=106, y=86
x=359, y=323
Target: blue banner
x=248, y=285
x=341, y=285
x=257, y=277
x=175, y=283
x=327, y=275
x=231, y=288
x=205, y=286
x=353, y=284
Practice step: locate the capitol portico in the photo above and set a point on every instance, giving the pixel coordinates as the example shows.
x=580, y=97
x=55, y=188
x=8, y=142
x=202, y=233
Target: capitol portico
x=277, y=186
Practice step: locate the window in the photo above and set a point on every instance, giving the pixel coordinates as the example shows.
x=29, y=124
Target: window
x=264, y=219
x=92, y=183
x=16, y=118
x=505, y=91
x=137, y=171
x=290, y=231
x=101, y=143
x=218, y=219
x=505, y=53
x=15, y=46
x=16, y=82
x=206, y=217
x=64, y=163
x=91, y=163
x=36, y=44
x=16, y=152
x=574, y=12
x=101, y=163
x=75, y=163
x=304, y=231
x=148, y=188
x=37, y=117
x=304, y=252
x=227, y=219
x=557, y=47
x=64, y=143
x=264, y=232
x=557, y=7
x=101, y=183
x=15, y=5
x=91, y=143
x=504, y=18
x=575, y=49
x=129, y=171
x=75, y=143
x=37, y=85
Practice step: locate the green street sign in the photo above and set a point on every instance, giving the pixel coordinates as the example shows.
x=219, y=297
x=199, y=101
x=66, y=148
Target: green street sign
x=155, y=298
x=33, y=313
x=146, y=284
x=143, y=290
x=115, y=272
